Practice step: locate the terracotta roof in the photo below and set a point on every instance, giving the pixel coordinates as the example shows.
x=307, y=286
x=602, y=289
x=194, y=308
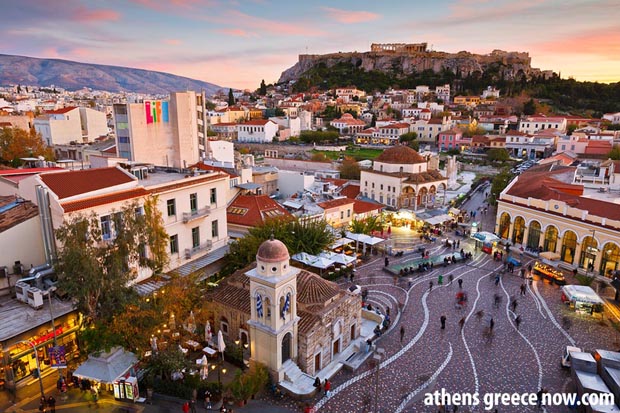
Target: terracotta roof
x=400, y=125
x=5, y=124
x=400, y=154
x=350, y=191
x=361, y=207
x=60, y=111
x=314, y=290
x=335, y=181
x=334, y=203
x=71, y=183
x=425, y=177
x=308, y=320
x=22, y=211
x=234, y=291
x=260, y=122
x=81, y=204
x=27, y=171
x=253, y=210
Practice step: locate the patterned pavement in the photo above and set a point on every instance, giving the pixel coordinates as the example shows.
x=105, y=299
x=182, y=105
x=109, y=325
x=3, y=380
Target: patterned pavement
x=471, y=359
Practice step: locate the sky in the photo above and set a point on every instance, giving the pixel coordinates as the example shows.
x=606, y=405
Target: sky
x=238, y=43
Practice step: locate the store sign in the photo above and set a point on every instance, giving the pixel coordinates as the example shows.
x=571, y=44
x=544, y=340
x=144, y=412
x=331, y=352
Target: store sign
x=58, y=357
x=46, y=337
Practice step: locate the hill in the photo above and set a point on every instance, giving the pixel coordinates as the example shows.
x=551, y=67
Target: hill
x=75, y=75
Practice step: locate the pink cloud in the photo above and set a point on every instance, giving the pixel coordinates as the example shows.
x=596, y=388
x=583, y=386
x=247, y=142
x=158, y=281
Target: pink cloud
x=86, y=15
x=603, y=42
x=267, y=25
x=172, y=42
x=175, y=5
x=236, y=32
x=350, y=16
x=50, y=52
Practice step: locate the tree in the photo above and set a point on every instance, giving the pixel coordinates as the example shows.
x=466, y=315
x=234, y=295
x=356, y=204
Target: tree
x=529, y=107
x=231, y=98
x=319, y=157
x=367, y=225
x=409, y=138
x=498, y=154
x=18, y=143
x=95, y=268
x=570, y=129
x=499, y=183
x=299, y=235
x=263, y=88
x=614, y=153
x=349, y=168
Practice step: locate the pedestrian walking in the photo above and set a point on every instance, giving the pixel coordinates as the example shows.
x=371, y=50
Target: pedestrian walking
x=491, y=325
x=192, y=405
x=42, y=404
x=440, y=280
x=352, y=276
x=523, y=288
x=496, y=300
x=430, y=286
x=442, y=319
x=458, y=243
x=208, y=404
x=51, y=403
x=513, y=304
x=395, y=279
x=185, y=407
x=450, y=278
x=518, y=321
x=462, y=323
x=522, y=272
x=386, y=262
x=460, y=283
x=328, y=387
x=402, y=334
x=497, y=280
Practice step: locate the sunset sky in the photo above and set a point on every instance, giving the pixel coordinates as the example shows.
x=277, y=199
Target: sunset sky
x=238, y=43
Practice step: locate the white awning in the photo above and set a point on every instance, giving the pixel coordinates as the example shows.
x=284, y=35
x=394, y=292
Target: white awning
x=582, y=294
x=337, y=258
x=340, y=242
x=107, y=367
x=291, y=204
x=439, y=219
x=313, y=260
x=365, y=239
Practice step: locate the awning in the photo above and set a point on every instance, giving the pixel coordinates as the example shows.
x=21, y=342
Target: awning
x=439, y=219
x=485, y=236
x=549, y=255
x=365, y=239
x=454, y=211
x=581, y=293
x=313, y=260
x=337, y=258
x=248, y=186
x=107, y=367
x=340, y=242
x=291, y=204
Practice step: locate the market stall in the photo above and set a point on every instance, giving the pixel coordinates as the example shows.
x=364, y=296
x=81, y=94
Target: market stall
x=549, y=272
x=582, y=299
x=485, y=241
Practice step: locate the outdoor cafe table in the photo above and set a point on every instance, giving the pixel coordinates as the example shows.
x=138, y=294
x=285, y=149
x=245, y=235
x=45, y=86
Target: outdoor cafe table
x=209, y=351
x=193, y=344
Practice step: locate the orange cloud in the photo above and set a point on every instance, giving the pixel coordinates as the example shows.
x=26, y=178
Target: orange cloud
x=270, y=26
x=350, y=16
x=86, y=15
x=604, y=43
x=236, y=32
x=172, y=42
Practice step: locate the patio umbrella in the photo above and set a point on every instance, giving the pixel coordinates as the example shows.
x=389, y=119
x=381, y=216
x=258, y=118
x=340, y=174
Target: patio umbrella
x=154, y=343
x=204, y=372
x=172, y=322
x=221, y=345
x=208, y=333
x=191, y=323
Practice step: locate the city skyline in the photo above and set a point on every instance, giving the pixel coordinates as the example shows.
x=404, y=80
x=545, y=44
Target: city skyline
x=236, y=44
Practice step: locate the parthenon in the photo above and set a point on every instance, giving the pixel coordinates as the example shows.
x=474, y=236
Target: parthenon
x=398, y=47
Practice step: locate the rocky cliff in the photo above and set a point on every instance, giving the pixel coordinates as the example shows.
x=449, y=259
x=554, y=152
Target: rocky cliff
x=75, y=75
x=508, y=63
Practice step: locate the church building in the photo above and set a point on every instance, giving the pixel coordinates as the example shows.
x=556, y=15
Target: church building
x=293, y=320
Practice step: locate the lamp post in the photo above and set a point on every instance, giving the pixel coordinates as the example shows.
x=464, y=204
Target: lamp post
x=36, y=358
x=378, y=356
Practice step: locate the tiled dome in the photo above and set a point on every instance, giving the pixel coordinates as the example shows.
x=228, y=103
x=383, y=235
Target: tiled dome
x=400, y=154
x=272, y=250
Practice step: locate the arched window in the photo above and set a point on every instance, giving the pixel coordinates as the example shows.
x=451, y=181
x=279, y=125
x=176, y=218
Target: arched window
x=518, y=230
x=611, y=257
x=588, y=252
x=267, y=308
x=224, y=325
x=551, y=238
x=533, y=237
x=504, y=225
x=569, y=245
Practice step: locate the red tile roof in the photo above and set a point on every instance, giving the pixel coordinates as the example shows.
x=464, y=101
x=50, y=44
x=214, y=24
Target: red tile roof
x=71, y=183
x=350, y=191
x=60, y=111
x=253, y=210
x=86, y=203
x=260, y=122
x=337, y=182
x=400, y=154
x=335, y=203
x=361, y=207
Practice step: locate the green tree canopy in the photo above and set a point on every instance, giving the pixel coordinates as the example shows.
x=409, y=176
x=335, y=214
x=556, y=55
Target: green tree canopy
x=231, y=98
x=498, y=154
x=499, y=183
x=95, y=267
x=529, y=107
x=298, y=235
x=309, y=136
x=349, y=168
x=366, y=225
x=614, y=153
x=262, y=90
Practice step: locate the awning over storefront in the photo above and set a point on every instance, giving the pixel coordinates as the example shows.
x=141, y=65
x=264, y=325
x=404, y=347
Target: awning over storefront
x=549, y=255
x=313, y=260
x=582, y=294
x=439, y=219
x=365, y=239
x=107, y=367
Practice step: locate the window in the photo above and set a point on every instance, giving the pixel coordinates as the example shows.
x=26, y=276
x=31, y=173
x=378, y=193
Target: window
x=381, y=186
x=171, y=205
x=348, y=213
x=215, y=232
x=193, y=202
x=123, y=139
x=213, y=196
x=106, y=227
x=373, y=184
x=174, y=244
x=341, y=214
x=195, y=237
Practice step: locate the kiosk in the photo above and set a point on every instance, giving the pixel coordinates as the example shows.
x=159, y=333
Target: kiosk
x=582, y=299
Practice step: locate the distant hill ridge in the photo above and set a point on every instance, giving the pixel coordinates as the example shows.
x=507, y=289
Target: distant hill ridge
x=72, y=75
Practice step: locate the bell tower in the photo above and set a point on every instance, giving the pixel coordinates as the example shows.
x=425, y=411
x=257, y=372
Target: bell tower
x=273, y=296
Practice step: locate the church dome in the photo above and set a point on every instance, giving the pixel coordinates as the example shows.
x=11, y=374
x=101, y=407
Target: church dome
x=400, y=154
x=272, y=250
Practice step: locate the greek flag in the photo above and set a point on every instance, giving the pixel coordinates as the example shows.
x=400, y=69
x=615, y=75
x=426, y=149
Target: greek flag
x=287, y=305
x=259, y=305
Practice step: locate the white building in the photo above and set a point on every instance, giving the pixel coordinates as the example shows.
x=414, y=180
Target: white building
x=291, y=182
x=94, y=124
x=60, y=126
x=533, y=124
x=348, y=124
x=305, y=118
x=293, y=124
x=490, y=92
x=257, y=130
x=612, y=117
x=443, y=93
x=400, y=178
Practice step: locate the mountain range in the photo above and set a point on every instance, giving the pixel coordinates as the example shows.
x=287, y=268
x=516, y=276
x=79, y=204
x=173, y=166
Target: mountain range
x=70, y=75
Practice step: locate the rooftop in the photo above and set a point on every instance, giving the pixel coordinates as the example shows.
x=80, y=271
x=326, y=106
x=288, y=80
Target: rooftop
x=14, y=211
x=72, y=183
x=251, y=210
x=400, y=154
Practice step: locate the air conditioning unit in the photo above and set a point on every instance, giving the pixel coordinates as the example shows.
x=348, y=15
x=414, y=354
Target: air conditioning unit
x=4, y=272
x=21, y=291
x=35, y=297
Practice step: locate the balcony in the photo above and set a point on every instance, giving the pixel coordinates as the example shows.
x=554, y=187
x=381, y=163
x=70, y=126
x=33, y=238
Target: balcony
x=190, y=252
x=197, y=214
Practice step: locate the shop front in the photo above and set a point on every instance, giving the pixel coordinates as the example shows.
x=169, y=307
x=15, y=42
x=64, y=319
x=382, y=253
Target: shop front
x=549, y=272
x=582, y=299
